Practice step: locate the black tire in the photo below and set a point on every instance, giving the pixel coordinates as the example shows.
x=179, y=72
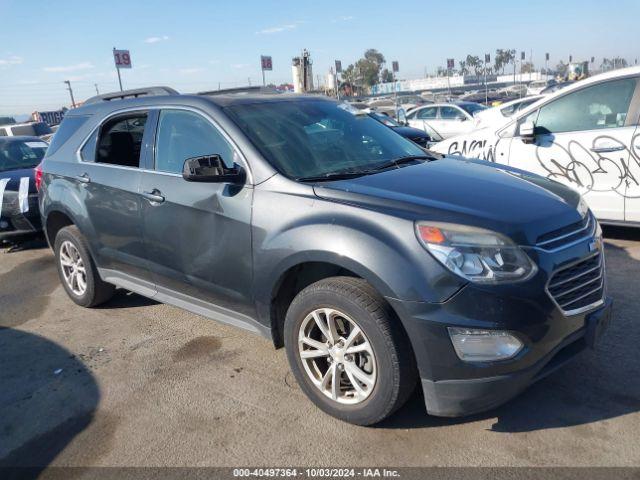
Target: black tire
x=97, y=291
x=395, y=363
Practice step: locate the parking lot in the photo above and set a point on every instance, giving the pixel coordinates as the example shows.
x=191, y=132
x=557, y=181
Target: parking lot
x=136, y=383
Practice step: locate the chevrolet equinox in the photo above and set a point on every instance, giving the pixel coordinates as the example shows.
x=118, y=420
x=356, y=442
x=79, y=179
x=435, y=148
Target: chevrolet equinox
x=375, y=263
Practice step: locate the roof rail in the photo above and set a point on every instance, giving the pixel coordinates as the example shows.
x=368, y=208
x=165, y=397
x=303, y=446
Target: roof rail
x=135, y=93
x=239, y=90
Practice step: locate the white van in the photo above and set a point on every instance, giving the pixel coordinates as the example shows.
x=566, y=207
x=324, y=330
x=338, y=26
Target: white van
x=586, y=136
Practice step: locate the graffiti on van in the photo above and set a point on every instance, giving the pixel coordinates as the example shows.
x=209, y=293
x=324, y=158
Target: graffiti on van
x=579, y=166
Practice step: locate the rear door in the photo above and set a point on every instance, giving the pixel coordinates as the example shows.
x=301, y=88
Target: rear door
x=198, y=235
x=452, y=121
x=108, y=179
x=422, y=119
x=583, y=139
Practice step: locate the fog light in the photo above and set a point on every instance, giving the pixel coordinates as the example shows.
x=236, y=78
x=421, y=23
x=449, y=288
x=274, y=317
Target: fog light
x=484, y=345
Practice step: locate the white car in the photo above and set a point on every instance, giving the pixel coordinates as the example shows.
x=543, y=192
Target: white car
x=444, y=120
x=536, y=87
x=502, y=113
x=585, y=135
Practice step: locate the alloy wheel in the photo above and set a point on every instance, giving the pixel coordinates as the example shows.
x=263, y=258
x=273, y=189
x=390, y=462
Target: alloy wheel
x=337, y=356
x=73, y=269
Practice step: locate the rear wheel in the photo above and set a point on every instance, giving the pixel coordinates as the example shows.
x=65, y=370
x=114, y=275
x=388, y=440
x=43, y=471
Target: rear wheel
x=77, y=271
x=348, y=351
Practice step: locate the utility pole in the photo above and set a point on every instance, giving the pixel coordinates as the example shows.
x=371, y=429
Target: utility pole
x=73, y=102
x=96, y=85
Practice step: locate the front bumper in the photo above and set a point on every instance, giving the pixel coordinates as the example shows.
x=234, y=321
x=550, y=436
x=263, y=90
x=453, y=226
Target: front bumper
x=455, y=388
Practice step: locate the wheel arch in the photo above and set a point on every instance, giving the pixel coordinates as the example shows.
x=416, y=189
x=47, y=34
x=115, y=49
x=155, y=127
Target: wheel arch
x=298, y=273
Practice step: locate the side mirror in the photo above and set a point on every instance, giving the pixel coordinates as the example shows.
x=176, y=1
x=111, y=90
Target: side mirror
x=462, y=118
x=528, y=132
x=211, y=168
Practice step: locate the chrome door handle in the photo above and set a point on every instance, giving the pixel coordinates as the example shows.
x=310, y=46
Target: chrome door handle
x=84, y=178
x=155, y=196
x=607, y=149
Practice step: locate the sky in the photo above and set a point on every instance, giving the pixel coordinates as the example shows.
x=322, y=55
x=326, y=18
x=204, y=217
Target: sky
x=193, y=45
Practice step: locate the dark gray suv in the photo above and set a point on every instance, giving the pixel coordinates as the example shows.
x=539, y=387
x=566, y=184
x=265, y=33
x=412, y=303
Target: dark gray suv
x=374, y=262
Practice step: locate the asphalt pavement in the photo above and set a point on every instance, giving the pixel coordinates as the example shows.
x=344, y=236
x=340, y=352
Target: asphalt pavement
x=137, y=383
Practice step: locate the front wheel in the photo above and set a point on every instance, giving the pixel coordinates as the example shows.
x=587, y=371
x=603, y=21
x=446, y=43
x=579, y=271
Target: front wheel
x=348, y=351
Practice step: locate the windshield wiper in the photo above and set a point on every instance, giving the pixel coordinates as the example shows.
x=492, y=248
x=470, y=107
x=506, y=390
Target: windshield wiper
x=401, y=160
x=327, y=177
x=360, y=173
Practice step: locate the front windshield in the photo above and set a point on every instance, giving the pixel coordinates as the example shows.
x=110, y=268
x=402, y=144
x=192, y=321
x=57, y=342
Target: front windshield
x=16, y=155
x=312, y=138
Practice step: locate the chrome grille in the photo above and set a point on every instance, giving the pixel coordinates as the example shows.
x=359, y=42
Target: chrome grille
x=580, y=286
x=567, y=236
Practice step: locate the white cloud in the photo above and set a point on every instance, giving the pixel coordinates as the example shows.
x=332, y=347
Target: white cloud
x=344, y=18
x=163, y=38
x=70, y=68
x=278, y=29
x=11, y=60
x=238, y=66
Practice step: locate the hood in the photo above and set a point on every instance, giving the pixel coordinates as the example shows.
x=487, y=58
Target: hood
x=516, y=203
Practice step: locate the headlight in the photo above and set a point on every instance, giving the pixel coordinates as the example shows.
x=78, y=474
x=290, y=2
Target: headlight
x=475, y=254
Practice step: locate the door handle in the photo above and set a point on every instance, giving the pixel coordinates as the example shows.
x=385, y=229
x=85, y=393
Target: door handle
x=84, y=178
x=154, y=196
x=617, y=148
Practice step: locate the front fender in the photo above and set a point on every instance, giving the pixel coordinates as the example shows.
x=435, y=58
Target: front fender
x=381, y=248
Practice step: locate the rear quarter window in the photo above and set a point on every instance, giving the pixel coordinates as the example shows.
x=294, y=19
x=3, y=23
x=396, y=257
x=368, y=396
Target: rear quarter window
x=69, y=126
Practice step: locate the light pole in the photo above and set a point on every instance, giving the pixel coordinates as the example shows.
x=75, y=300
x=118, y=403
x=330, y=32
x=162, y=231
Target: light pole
x=73, y=102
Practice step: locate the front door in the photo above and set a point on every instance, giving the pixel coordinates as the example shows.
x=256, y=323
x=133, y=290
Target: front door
x=632, y=195
x=583, y=139
x=198, y=235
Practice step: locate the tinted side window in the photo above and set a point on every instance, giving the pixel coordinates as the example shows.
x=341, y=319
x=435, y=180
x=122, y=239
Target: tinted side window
x=450, y=113
x=427, y=113
x=70, y=124
x=600, y=106
x=120, y=141
x=182, y=134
